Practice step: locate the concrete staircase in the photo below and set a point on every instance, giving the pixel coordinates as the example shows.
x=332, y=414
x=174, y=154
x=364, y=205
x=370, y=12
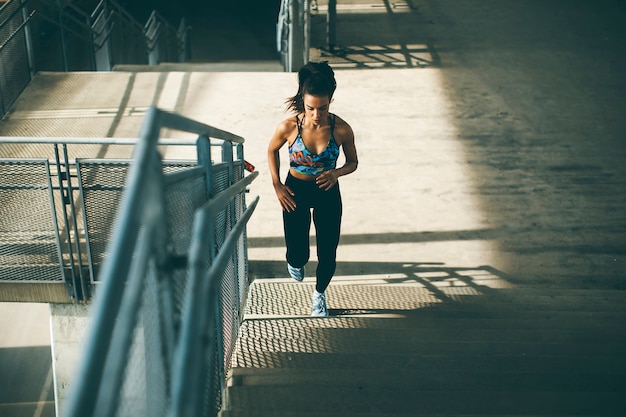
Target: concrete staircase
x=397, y=349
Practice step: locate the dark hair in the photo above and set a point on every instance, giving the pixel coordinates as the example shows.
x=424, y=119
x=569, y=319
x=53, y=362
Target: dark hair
x=315, y=78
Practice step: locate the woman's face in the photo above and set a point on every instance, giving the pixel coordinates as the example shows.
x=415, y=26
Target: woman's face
x=316, y=108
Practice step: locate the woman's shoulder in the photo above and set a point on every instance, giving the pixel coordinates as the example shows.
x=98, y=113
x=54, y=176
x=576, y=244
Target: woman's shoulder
x=286, y=130
x=342, y=129
x=288, y=125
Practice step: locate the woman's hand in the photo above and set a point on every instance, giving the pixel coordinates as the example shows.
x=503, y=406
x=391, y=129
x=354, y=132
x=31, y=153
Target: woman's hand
x=285, y=197
x=327, y=179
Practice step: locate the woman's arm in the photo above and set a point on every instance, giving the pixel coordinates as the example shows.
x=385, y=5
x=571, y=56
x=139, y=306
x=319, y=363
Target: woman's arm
x=345, y=138
x=284, y=194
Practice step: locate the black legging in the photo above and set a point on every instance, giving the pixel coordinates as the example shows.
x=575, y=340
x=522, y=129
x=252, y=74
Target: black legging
x=327, y=209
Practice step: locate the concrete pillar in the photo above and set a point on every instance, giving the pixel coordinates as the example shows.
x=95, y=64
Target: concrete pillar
x=68, y=327
x=298, y=35
x=331, y=25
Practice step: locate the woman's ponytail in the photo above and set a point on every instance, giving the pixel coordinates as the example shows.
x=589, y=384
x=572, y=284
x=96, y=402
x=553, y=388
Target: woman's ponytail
x=315, y=78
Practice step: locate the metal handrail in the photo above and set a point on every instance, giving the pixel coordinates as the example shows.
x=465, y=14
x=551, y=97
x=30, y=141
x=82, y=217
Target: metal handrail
x=51, y=140
x=141, y=209
x=16, y=31
x=178, y=122
x=200, y=313
x=117, y=8
x=13, y=14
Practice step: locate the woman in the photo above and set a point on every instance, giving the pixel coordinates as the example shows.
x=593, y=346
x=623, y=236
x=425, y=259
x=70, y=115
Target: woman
x=314, y=137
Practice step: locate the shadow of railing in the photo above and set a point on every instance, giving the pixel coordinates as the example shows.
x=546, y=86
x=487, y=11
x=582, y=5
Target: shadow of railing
x=375, y=34
x=366, y=288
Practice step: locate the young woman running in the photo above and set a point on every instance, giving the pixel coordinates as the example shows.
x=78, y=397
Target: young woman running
x=314, y=137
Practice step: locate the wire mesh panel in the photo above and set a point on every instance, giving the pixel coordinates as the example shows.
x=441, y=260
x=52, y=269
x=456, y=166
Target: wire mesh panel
x=162, y=40
x=233, y=283
x=15, y=70
x=78, y=39
x=182, y=198
x=101, y=182
x=144, y=388
x=146, y=377
x=60, y=36
x=126, y=37
x=223, y=222
x=29, y=247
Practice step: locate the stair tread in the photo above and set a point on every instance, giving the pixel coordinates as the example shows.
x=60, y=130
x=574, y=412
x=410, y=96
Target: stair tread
x=435, y=379
x=287, y=298
x=461, y=362
x=405, y=399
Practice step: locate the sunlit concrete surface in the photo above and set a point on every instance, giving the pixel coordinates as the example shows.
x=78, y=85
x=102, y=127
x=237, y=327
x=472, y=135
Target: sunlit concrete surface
x=26, y=386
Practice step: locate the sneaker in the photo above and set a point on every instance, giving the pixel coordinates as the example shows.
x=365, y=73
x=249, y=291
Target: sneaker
x=319, y=308
x=296, y=273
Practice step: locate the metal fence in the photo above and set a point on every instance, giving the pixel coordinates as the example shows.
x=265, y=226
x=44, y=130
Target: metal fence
x=48, y=35
x=57, y=206
x=167, y=310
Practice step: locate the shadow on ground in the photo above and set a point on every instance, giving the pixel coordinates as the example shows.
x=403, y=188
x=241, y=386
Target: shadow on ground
x=26, y=385
x=536, y=96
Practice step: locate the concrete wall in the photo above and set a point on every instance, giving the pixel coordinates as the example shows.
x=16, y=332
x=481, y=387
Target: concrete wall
x=68, y=326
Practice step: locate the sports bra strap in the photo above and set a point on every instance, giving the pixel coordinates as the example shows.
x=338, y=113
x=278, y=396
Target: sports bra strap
x=299, y=124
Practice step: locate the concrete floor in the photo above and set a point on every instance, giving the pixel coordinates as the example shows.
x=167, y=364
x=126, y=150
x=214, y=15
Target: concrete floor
x=26, y=387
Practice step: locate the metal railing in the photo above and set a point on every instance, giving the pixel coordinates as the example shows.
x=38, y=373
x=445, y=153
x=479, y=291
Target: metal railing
x=46, y=35
x=59, y=198
x=166, y=314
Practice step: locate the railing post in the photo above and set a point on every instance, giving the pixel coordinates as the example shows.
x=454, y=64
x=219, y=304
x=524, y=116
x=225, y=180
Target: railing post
x=101, y=41
x=331, y=25
x=306, y=30
x=74, y=281
x=2, y=111
x=153, y=33
x=227, y=157
x=154, y=53
x=66, y=65
x=242, y=251
x=203, y=146
x=184, y=43
x=29, y=40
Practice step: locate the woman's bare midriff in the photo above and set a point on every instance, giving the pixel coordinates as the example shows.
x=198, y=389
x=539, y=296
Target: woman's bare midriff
x=300, y=176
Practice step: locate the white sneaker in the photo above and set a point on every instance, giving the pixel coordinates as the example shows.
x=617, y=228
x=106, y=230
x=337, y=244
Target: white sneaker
x=319, y=308
x=296, y=273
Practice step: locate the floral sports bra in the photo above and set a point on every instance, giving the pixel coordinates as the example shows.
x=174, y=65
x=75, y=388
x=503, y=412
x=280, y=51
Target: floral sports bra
x=305, y=162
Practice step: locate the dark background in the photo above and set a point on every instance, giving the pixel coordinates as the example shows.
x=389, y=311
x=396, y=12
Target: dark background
x=221, y=30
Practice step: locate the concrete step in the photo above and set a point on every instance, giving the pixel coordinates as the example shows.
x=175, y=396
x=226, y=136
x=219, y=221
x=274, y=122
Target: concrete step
x=228, y=66
x=419, y=333
x=367, y=345
x=513, y=351
x=269, y=297
x=479, y=347
x=405, y=399
x=462, y=362
x=417, y=413
x=446, y=377
x=458, y=319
